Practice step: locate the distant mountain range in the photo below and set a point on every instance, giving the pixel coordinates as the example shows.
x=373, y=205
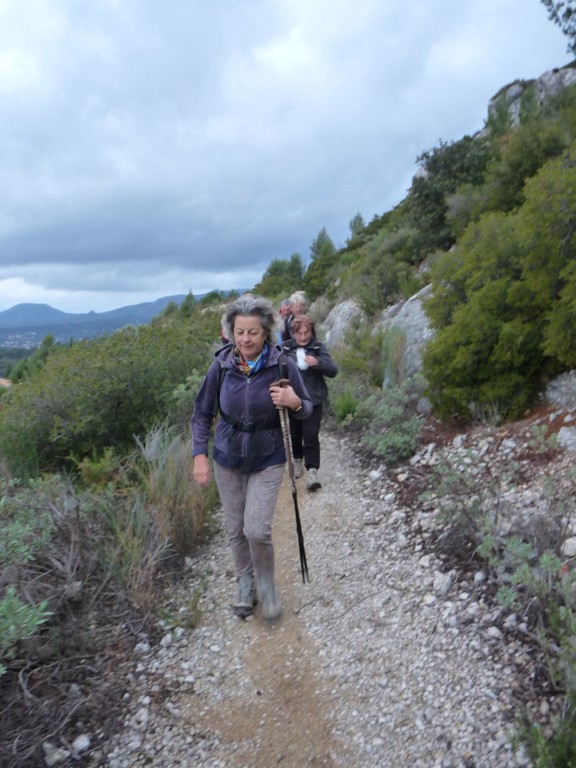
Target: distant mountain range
x=25, y=325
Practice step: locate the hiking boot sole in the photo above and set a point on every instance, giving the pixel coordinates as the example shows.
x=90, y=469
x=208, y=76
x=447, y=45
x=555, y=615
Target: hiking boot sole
x=243, y=611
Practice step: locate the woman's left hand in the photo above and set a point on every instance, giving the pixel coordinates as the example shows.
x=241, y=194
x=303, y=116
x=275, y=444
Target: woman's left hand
x=311, y=360
x=284, y=397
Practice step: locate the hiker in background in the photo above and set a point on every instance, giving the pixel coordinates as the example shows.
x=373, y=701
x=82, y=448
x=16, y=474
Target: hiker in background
x=297, y=306
x=314, y=362
x=283, y=312
x=248, y=450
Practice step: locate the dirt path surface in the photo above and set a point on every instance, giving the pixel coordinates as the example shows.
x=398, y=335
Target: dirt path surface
x=274, y=714
x=381, y=660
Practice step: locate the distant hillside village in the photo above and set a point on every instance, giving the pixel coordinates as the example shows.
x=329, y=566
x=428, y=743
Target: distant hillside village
x=23, y=339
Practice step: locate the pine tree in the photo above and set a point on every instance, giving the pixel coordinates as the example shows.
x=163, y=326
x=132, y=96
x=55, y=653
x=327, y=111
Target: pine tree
x=564, y=14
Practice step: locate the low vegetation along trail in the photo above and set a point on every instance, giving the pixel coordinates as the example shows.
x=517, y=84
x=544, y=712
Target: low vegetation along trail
x=367, y=666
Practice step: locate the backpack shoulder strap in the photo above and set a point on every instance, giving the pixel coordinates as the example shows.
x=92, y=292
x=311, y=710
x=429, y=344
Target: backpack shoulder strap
x=283, y=366
x=282, y=374
x=216, y=405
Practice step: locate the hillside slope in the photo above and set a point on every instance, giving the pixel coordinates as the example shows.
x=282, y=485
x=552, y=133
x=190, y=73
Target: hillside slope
x=391, y=656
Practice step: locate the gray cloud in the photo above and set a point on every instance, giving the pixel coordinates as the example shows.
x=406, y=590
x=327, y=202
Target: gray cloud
x=151, y=150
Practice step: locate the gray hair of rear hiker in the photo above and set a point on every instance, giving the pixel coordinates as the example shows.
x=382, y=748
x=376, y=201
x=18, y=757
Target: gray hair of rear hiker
x=251, y=306
x=298, y=299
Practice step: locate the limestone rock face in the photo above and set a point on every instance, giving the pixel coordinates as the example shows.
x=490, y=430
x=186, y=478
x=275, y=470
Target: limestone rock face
x=547, y=85
x=411, y=318
x=408, y=316
x=340, y=318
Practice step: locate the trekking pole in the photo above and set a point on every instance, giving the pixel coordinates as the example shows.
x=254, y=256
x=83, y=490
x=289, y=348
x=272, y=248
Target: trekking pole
x=285, y=423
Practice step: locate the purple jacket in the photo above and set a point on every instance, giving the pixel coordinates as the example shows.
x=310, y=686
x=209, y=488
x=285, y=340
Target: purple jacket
x=248, y=434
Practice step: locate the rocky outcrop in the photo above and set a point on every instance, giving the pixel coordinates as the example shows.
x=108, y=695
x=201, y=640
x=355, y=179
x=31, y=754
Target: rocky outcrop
x=409, y=316
x=339, y=320
x=546, y=86
x=561, y=393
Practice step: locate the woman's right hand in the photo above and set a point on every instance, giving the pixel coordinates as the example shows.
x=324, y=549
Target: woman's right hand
x=201, y=469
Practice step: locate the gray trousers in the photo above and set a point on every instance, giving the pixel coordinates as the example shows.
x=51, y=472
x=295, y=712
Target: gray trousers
x=248, y=501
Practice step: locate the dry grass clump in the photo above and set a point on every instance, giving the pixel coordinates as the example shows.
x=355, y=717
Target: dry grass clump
x=82, y=564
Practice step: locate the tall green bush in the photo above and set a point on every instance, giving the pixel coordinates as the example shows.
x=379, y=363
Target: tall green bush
x=501, y=303
x=445, y=168
x=100, y=393
x=528, y=148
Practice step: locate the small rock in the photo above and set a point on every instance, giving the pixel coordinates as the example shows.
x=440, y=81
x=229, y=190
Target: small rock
x=134, y=743
x=81, y=743
x=511, y=621
x=142, y=647
x=401, y=541
x=442, y=582
x=172, y=709
x=140, y=719
x=569, y=547
x=54, y=755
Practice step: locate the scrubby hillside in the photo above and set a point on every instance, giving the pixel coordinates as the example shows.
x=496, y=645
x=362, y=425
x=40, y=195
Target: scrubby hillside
x=100, y=517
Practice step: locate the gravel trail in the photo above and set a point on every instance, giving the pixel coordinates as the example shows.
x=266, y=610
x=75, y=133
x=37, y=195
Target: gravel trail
x=380, y=661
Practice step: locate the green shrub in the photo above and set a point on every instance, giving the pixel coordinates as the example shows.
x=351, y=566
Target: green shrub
x=100, y=393
x=344, y=405
x=390, y=429
x=539, y=441
x=533, y=579
x=552, y=751
x=447, y=167
x=179, y=505
x=281, y=278
x=18, y=621
x=393, y=350
x=152, y=511
x=317, y=278
x=133, y=549
x=503, y=303
x=98, y=469
x=528, y=148
x=180, y=403
x=360, y=359
x=35, y=360
x=25, y=527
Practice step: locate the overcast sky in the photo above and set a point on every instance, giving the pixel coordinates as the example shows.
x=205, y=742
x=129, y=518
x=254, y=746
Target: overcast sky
x=150, y=149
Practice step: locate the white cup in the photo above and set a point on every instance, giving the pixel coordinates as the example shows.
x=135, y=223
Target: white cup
x=300, y=361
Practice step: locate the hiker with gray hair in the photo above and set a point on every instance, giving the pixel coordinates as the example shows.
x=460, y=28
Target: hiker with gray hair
x=283, y=313
x=242, y=384
x=296, y=306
